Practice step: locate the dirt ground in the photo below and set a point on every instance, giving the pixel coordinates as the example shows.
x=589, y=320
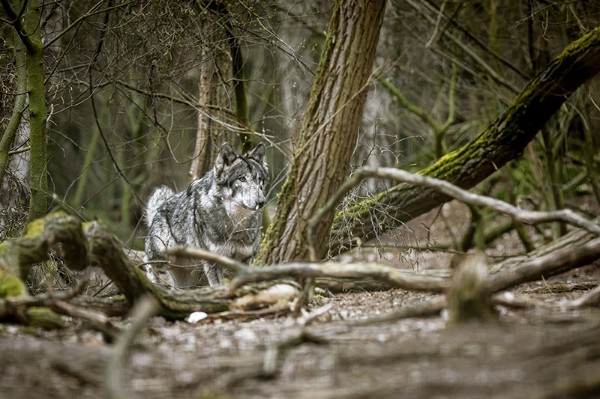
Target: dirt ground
x=547, y=350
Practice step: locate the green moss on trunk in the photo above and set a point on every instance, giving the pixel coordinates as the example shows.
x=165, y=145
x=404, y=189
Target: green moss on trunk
x=38, y=203
x=11, y=286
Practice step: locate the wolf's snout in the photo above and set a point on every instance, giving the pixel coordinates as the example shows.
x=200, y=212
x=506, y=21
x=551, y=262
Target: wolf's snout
x=260, y=203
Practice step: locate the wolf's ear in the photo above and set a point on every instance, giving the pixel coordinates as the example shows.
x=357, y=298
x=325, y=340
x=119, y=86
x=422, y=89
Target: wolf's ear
x=225, y=157
x=258, y=153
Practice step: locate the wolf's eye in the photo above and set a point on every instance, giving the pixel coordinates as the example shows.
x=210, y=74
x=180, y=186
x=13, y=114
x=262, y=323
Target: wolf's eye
x=242, y=179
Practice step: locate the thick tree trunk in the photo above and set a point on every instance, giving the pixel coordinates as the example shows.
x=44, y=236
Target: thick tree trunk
x=330, y=130
x=501, y=142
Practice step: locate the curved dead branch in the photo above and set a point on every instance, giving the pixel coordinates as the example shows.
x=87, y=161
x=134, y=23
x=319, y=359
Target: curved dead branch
x=243, y=297
x=453, y=191
x=503, y=140
x=398, y=278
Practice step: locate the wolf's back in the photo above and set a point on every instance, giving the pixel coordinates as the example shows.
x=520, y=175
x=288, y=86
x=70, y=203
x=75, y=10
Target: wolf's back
x=158, y=197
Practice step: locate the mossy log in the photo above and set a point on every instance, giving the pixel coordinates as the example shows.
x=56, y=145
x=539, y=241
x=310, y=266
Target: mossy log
x=18, y=255
x=504, y=140
x=11, y=286
x=80, y=246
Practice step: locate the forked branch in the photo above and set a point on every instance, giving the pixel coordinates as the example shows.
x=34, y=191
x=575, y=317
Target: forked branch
x=517, y=214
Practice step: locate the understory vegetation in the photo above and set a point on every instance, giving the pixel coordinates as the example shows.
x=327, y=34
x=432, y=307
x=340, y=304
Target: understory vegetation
x=432, y=212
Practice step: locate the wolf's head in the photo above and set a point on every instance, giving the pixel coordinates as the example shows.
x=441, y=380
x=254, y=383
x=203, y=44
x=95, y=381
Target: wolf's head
x=242, y=178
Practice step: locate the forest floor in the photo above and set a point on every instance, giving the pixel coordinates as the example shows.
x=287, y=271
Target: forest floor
x=546, y=350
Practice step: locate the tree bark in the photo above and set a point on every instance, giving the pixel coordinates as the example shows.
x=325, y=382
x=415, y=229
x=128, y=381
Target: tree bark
x=242, y=112
x=20, y=103
x=28, y=29
x=207, y=95
x=330, y=130
x=502, y=141
x=38, y=201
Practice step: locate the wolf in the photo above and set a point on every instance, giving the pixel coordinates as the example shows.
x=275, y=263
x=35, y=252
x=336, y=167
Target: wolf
x=220, y=213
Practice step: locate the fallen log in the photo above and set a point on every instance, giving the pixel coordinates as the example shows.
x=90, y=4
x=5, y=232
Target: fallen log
x=91, y=244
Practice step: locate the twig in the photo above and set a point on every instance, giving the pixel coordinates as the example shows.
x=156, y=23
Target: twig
x=223, y=261
x=97, y=321
x=18, y=151
x=564, y=287
x=141, y=313
x=308, y=317
x=436, y=27
x=429, y=308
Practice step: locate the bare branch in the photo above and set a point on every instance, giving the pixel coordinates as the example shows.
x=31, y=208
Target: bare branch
x=141, y=313
x=400, y=278
x=245, y=275
x=223, y=261
x=553, y=262
x=430, y=308
x=17, y=23
x=517, y=214
x=98, y=321
x=469, y=51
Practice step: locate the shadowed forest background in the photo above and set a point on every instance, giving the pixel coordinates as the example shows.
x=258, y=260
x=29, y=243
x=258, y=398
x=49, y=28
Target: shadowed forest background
x=132, y=86
x=102, y=101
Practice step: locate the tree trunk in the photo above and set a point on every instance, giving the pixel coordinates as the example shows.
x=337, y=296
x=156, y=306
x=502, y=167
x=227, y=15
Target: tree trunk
x=502, y=141
x=207, y=95
x=20, y=103
x=38, y=202
x=330, y=130
x=28, y=29
x=242, y=112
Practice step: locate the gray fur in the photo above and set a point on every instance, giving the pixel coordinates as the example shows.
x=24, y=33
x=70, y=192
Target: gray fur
x=220, y=212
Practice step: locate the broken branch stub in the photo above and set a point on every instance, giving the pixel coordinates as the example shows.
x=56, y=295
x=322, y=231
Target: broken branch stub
x=469, y=294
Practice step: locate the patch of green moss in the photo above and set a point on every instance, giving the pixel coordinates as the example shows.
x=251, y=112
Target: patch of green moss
x=44, y=318
x=209, y=394
x=11, y=285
